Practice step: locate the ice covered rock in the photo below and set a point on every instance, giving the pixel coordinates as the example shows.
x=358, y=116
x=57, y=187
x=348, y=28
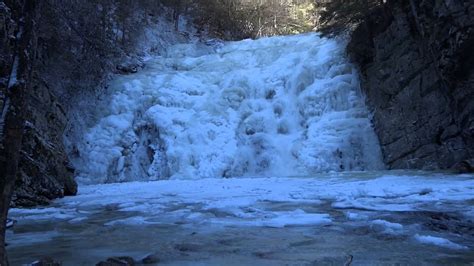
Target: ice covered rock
x=10, y=223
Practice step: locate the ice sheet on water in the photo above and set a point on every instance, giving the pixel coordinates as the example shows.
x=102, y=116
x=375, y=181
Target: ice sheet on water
x=253, y=201
x=387, y=227
x=137, y=220
x=370, y=202
x=277, y=106
x=438, y=241
x=26, y=239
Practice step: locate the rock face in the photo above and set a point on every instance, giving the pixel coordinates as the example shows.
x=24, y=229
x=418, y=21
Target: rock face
x=417, y=70
x=44, y=171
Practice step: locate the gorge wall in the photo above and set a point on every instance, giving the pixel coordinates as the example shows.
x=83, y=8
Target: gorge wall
x=44, y=171
x=75, y=51
x=417, y=67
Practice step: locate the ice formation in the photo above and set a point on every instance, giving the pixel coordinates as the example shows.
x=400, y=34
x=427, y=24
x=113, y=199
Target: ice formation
x=280, y=106
x=379, y=215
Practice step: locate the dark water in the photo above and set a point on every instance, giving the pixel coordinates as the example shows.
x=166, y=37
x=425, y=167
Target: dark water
x=89, y=241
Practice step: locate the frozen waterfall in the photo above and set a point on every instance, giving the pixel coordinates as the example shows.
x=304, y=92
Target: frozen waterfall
x=281, y=106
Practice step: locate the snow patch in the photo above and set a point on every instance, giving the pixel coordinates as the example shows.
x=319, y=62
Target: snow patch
x=296, y=218
x=438, y=241
x=13, y=79
x=387, y=227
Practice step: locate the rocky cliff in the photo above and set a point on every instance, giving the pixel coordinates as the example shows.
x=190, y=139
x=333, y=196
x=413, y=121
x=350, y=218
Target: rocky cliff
x=73, y=59
x=43, y=172
x=417, y=69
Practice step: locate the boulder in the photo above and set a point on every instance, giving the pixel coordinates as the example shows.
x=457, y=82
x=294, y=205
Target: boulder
x=151, y=259
x=117, y=261
x=466, y=166
x=46, y=261
x=130, y=66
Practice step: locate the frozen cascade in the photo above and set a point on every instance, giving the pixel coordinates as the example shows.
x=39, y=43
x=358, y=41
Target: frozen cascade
x=280, y=106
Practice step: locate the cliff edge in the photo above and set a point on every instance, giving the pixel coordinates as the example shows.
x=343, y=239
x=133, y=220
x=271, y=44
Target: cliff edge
x=416, y=60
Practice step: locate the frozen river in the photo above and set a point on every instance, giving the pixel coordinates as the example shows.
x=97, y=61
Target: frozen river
x=258, y=152
x=378, y=218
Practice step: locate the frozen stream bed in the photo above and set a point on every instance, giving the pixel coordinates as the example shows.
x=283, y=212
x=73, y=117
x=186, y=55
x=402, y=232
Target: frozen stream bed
x=191, y=133
x=378, y=218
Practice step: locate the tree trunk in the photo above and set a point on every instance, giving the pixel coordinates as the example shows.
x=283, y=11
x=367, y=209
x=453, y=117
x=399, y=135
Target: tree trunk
x=176, y=14
x=13, y=112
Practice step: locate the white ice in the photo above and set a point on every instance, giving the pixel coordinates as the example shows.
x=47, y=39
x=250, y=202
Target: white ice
x=280, y=106
x=387, y=227
x=252, y=201
x=438, y=241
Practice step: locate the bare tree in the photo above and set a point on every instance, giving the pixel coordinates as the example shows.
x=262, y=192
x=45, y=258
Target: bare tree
x=336, y=16
x=237, y=19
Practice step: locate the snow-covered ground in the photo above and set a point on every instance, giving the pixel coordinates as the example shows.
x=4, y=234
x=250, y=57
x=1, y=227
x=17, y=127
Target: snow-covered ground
x=276, y=106
x=429, y=212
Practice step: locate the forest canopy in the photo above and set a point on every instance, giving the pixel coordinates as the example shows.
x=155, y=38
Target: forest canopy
x=237, y=19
